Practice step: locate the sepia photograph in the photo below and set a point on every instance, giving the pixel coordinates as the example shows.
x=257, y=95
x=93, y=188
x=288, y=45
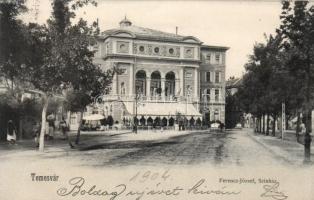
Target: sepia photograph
x=156, y=100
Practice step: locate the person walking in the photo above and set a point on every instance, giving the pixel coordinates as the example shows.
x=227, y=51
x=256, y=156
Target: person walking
x=36, y=131
x=51, y=129
x=11, y=132
x=63, y=127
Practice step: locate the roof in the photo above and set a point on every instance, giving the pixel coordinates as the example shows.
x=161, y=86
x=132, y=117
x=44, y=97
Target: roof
x=234, y=83
x=126, y=29
x=214, y=47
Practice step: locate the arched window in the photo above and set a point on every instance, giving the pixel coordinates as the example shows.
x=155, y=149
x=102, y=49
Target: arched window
x=140, y=82
x=170, y=84
x=155, y=86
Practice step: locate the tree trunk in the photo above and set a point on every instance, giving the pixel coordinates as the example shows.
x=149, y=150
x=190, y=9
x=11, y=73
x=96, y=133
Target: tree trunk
x=260, y=125
x=78, y=135
x=263, y=124
x=307, y=137
x=297, y=130
x=43, y=123
x=267, y=128
x=254, y=124
x=274, y=126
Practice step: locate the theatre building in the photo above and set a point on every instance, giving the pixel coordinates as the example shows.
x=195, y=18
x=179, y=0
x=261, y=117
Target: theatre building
x=162, y=76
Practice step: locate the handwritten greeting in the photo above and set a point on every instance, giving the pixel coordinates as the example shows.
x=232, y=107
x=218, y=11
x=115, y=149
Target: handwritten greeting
x=157, y=187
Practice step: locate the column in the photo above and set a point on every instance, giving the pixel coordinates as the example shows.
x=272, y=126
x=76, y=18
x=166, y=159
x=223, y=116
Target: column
x=181, y=81
x=196, y=83
x=148, y=87
x=114, y=84
x=163, y=86
x=177, y=88
x=131, y=80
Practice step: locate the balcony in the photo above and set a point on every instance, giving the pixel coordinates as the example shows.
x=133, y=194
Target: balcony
x=156, y=98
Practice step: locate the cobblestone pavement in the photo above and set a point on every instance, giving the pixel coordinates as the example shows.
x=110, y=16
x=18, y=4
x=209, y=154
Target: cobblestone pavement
x=233, y=148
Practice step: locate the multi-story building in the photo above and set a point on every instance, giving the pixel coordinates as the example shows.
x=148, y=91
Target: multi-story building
x=212, y=82
x=169, y=74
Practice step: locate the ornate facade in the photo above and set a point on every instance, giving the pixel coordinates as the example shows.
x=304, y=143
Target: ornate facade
x=169, y=74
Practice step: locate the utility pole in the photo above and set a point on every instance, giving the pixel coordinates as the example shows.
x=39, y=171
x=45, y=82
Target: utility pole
x=135, y=117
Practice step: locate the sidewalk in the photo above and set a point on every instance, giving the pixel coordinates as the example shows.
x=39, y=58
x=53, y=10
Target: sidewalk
x=290, y=151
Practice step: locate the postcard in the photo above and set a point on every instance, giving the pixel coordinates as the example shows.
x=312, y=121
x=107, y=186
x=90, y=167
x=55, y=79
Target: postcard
x=151, y=100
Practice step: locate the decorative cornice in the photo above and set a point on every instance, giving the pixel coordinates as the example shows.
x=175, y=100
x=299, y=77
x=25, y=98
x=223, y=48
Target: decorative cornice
x=149, y=58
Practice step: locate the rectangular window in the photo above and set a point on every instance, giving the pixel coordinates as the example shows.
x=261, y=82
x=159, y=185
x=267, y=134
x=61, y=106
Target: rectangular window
x=217, y=57
x=208, y=92
x=107, y=47
x=208, y=77
x=208, y=58
x=216, y=95
x=217, y=77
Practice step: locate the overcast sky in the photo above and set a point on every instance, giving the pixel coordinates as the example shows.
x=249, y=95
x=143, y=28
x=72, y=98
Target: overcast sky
x=235, y=24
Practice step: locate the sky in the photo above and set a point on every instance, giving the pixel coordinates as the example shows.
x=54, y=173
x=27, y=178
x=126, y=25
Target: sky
x=235, y=24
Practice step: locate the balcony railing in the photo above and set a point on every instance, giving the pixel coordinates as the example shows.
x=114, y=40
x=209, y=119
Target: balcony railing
x=156, y=98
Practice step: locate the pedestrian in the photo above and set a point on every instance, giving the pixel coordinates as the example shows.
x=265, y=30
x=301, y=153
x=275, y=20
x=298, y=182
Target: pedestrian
x=63, y=127
x=51, y=129
x=222, y=126
x=36, y=131
x=302, y=128
x=11, y=132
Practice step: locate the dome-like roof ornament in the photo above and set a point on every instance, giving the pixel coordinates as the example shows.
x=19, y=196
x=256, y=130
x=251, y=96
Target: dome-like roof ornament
x=125, y=22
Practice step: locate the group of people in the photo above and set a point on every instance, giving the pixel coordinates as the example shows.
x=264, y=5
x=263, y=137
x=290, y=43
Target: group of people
x=12, y=131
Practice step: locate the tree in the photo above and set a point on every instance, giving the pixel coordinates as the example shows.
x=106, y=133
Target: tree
x=12, y=54
x=12, y=42
x=62, y=58
x=266, y=85
x=83, y=80
x=46, y=59
x=297, y=28
x=233, y=112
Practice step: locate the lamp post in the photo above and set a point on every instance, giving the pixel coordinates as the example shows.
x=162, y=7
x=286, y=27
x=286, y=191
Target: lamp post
x=135, y=117
x=186, y=113
x=189, y=89
x=137, y=103
x=205, y=103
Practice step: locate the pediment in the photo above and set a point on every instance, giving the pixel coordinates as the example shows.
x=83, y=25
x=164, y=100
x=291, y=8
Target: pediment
x=191, y=39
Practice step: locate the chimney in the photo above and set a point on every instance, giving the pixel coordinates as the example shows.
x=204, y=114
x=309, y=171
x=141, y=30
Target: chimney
x=176, y=30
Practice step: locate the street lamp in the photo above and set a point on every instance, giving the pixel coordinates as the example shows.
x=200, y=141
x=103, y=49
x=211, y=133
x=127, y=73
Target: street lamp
x=205, y=104
x=137, y=103
x=189, y=89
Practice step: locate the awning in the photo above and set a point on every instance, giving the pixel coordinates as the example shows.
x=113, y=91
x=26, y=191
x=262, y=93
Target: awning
x=162, y=109
x=93, y=117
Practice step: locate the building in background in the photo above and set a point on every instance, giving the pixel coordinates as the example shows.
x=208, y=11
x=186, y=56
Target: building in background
x=163, y=75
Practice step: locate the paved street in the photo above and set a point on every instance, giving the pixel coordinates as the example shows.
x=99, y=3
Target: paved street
x=233, y=148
